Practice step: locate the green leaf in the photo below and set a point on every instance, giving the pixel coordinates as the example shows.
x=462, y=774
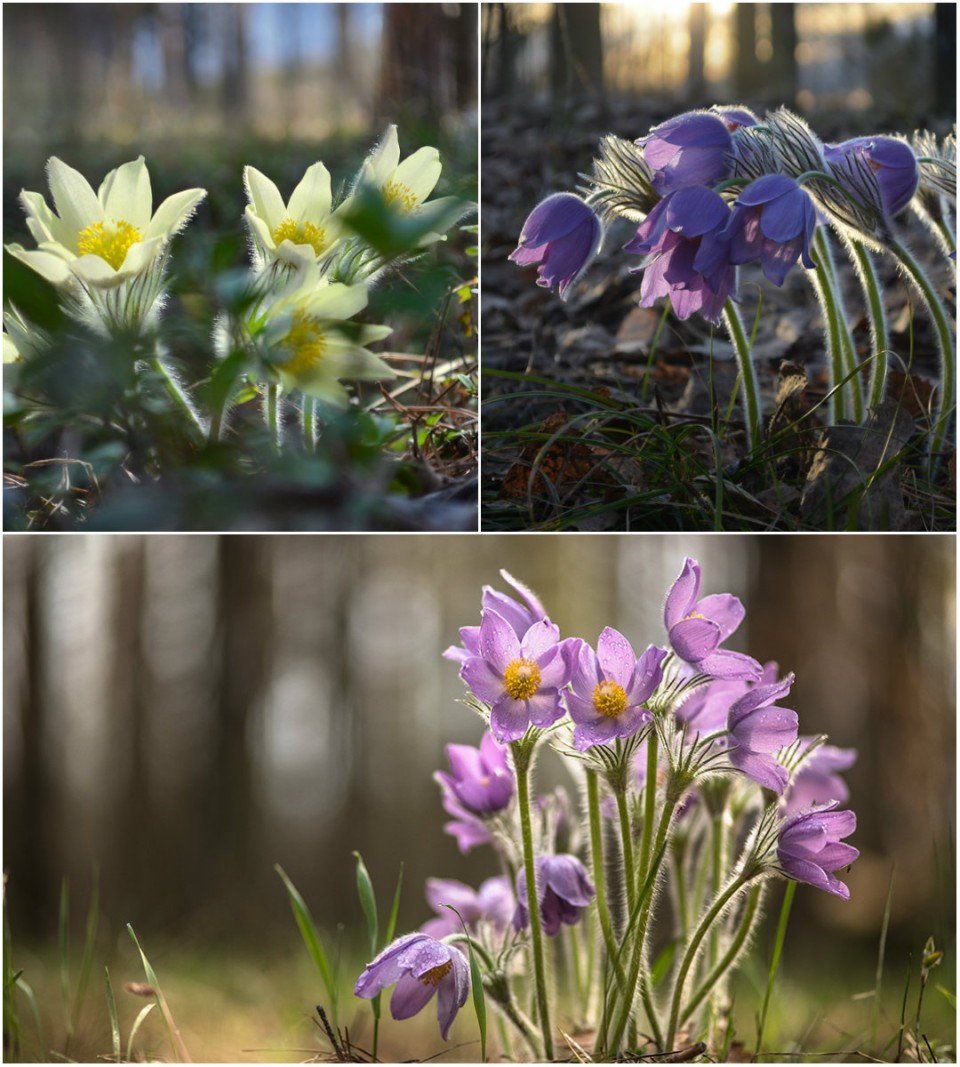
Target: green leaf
x=137, y=1023
x=114, y=1021
x=662, y=964
x=392, y=923
x=368, y=902
x=951, y=997
x=311, y=939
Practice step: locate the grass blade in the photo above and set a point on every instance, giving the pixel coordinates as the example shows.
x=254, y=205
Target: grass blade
x=308, y=931
x=392, y=923
x=775, y=960
x=63, y=945
x=114, y=1020
x=368, y=902
x=90, y=936
x=179, y=1048
x=137, y=1023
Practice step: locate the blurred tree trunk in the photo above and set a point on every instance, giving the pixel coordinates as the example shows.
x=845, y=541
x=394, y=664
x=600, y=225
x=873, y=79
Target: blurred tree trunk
x=696, y=74
x=783, y=62
x=234, y=86
x=945, y=60
x=414, y=62
x=501, y=31
x=174, y=43
x=465, y=55
x=342, y=63
x=576, y=53
x=747, y=73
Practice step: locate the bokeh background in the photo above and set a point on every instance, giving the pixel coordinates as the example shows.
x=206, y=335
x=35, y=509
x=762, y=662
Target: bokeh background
x=185, y=712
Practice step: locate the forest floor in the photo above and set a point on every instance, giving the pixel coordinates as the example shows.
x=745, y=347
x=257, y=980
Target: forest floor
x=598, y=414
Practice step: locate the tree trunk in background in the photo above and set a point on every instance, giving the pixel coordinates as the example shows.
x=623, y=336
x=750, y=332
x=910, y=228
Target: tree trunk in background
x=576, y=53
x=502, y=33
x=234, y=88
x=747, y=77
x=465, y=55
x=945, y=60
x=414, y=62
x=783, y=63
x=696, y=74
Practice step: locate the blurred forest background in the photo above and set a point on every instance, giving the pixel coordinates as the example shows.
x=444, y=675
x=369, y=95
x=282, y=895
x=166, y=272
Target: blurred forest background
x=186, y=712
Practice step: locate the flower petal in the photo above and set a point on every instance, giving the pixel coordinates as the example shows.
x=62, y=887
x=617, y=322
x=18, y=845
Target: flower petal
x=77, y=203
x=683, y=593
x=409, y=997
x=126, y=194
x=311, y=200
x=419, y=172
x=264, y=196
x=174, y=213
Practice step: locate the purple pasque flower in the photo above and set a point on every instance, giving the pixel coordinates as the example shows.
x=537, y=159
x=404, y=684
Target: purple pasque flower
x=817, y=780
x=688, y=253
x=810, y=849
x=689, y=149
x=705, y=710
x=772, y=220
x=562, y=234
x=492, y=903
x=698, y=627
x=609, y=687
x=419, y=966
x=519, y=677
x=480, y=784
x=756, y=729
x=563, y=890
x=520, y=616
x=892, y=160
x=735, y=117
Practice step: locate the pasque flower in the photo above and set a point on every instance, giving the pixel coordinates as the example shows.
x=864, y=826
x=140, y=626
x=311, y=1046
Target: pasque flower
x=817, y=780
x=892, y=160
x=698, y=627
x=520, y=616
x=689, y=149
x=480, y=783
x=302, y=228
x=688, y=253
x=563, y=890
x=772, y=220
x=609, y=687
x=757, y=729
x=101, y=239
x=492, y=903
x=519, y=677
x=419, y=966
x=810, y=850
x=562, y=234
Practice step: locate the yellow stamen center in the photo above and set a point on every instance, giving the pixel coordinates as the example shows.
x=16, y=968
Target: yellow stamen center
x=306, y=344
x=111, y=244
x=301, y=233
x=397, y=191
x=693, y=615
x=521, y=679
x=609, y=699
x=434, y=976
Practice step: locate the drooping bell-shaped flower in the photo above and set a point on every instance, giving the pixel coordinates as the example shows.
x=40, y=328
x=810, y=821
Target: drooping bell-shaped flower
x=810, y=849
x=492, y=903
x=817, y=781
x=480, y=784
x=772, y=220
x=689, y=149
x=563, y=891
x=562, y=234
x=757, y=729
x=892, y=161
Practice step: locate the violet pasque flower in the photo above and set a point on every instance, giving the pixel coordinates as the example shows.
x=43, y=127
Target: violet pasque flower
x=563, y=890
x=562, y=234
x=492, y=903
x=480, y=783
x=772, y=220
x=520, y=616
x=817, y=780
x=893, y=162
x=687, y=253
x=735, y=117
x=419, y=966
x=756, y=729
x=698, y=627
x=810, y=849
x=520, y=678
x=689, y=149
x=609, y=688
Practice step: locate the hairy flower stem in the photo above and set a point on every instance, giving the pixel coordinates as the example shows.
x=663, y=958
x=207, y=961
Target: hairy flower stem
x=626, y=834
x=751, y=914
x=599, y=875
x=649, y=804
x=941, y=420
x=497, y=986
x=177, y=395
x=693, y=945
x=748, y=378
x=844, y=394
x=308, y=422
x=879, y=344
x=522, y=759
x=271, y=414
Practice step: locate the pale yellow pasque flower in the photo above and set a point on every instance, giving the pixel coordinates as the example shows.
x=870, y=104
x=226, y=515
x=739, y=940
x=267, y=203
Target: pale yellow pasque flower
x=295, y=232
x=308, y=342
x=405, y=185
x=101, y=239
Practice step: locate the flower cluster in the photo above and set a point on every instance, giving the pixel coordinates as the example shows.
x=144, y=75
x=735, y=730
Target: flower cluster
x=700, y=765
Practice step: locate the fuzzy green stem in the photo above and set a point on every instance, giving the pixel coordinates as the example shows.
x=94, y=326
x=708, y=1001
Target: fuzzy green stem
x=879, y=344
x=775, y=958
x=847, y=348
x=626, y=834
x=680, y=881
x=498, y=989
x=945, y=342
x=308, y=422
x=522, y=768
x=599, y=875
x=748, y=378
x=693, y=945
x=823, y=284
x=649, y=804
x=743, y=933
x=177, y=394
x=948, y=236
x=271, y=414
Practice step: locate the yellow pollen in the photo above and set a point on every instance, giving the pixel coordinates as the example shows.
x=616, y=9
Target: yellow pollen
x=693, y=615
x=521, y=679
x=110, y=244
x=301, y=233
x=305, y=343
x=609, y=699
x=394, y=191
x=435, y=974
